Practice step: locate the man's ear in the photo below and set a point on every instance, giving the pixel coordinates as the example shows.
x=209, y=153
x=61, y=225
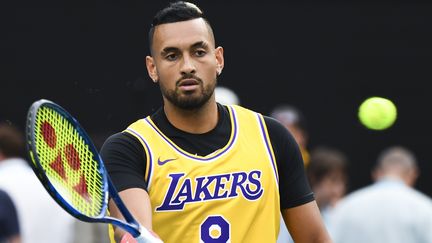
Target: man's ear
x=151, y=69
x=219, y=59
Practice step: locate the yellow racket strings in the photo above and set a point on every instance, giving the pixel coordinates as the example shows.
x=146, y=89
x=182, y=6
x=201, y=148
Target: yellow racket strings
x=68, y=162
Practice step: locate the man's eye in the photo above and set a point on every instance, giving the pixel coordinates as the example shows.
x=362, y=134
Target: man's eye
x=171, y=57
x=200, y=53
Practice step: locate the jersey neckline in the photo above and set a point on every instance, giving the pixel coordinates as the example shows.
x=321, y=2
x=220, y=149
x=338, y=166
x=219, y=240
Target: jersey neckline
x=207, y=158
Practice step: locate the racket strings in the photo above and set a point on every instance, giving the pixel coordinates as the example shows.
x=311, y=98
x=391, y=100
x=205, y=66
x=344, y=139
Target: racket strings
x=68, y=162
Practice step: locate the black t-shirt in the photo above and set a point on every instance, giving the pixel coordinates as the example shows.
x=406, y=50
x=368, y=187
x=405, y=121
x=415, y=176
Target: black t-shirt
x=8, y=217
x=125, y=158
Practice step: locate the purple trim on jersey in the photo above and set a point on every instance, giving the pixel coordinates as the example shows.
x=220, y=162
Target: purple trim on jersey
x=197, y=158
x=263, y=131
x=150, y=156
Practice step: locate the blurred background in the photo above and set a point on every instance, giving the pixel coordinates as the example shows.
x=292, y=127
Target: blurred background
x=324, y=57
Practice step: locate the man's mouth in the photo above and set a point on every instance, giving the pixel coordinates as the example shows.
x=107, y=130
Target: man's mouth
x=188, y=84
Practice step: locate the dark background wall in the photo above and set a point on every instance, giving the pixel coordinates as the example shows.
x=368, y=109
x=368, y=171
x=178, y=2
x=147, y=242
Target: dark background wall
x=324, y=57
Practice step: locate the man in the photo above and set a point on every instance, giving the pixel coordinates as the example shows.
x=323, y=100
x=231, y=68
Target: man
x=390, y=210
x=40, y=218
x=198, y=171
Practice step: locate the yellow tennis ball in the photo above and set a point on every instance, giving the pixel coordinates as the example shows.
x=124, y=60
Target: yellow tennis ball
x=377, y=113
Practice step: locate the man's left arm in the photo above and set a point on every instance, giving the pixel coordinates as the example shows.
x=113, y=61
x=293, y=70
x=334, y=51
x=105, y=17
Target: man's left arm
x=298, y=207
x=305, y=224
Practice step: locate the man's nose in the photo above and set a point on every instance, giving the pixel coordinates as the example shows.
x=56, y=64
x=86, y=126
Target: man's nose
x=187, y=65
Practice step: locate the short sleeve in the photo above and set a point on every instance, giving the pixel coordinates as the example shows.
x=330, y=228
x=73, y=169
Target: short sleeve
x=294, y=188
x=125, y=161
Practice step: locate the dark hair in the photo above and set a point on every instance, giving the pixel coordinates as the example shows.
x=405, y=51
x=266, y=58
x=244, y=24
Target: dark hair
x=176, y=12
x=323, y=161
x=11, y=141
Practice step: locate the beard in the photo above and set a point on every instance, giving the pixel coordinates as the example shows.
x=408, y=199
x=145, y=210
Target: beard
x=189, y=100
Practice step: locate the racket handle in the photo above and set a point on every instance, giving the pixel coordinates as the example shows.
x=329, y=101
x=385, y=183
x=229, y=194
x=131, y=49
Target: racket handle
x=147, y=237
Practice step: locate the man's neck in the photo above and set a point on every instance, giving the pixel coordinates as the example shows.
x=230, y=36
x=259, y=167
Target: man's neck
x=197, y=121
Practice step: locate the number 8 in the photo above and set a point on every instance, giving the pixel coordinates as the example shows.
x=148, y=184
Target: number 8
x=215, y=229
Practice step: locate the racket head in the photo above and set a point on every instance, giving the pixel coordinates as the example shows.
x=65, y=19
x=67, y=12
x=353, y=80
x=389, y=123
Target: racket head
x=66, y=161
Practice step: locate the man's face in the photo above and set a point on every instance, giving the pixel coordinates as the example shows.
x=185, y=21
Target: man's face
x=185, y=63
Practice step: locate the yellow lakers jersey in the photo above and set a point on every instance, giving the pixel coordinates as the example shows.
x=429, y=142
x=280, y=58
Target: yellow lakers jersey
x=230, y=195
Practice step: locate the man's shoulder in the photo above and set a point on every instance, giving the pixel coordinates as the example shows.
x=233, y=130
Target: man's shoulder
x=14, y=164
x=381, y=193
x=119, y=136
x=270, y=122
x=119, y=140
x=419, y=198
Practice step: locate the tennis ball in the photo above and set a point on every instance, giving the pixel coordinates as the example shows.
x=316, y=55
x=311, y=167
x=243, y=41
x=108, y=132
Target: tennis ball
x=377, y=113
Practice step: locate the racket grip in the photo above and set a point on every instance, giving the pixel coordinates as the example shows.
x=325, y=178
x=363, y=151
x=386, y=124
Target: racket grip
x=147, y=237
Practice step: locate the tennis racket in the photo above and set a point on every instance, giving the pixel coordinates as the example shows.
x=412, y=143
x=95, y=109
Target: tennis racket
x=71, y=170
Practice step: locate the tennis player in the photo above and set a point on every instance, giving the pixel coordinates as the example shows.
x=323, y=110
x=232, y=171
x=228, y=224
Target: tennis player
x=199, y=171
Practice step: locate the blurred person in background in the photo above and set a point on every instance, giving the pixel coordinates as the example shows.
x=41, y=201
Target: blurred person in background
x=327, y=173
x=226, y=96
x=390, y=210
x=9, y=227
x=41, y=219
x=294, y=120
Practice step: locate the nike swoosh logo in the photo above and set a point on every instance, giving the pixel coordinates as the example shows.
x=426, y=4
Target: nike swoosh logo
x=162, y=162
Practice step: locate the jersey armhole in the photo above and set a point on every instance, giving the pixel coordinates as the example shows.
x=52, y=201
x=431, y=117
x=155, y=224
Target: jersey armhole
x=269, y=146
x=148, y=154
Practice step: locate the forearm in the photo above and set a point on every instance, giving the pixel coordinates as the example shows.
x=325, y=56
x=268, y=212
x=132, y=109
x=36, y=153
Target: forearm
x=138, y=203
